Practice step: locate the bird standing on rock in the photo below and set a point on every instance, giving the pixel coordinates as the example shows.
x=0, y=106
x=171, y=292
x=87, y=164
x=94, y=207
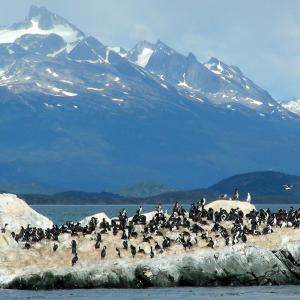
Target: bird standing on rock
x=139, y=211
x=141, y=250
x=211, y=243
x=55, y=246
x=74, y=247
x=151, y=253
x=74, y=259
x=125, y=244
x=118, y=252
x=157, y=247
x=3, y=230
x=103, y=252
x=248, y=199
x=133, y=250
x=97, y=245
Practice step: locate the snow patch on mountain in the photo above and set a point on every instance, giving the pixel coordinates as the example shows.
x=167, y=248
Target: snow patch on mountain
x=61, y=91
x=184, y=83
x=144, y=57
x=65, y=31
x=255, y=102
x=48, y=70
x=40, y=21
x=215, y=68
x=66, y=81
x=94, y=89
x=119, y=50
x=293, y=106
x=118, y=99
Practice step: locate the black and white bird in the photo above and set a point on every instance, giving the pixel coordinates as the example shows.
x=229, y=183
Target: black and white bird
x=55, y=247
x=202, y=201
x=151, y=253
x=74, y=259
x=118, y=252
x=288, y=187
x=139, y=211
x=249, y=197
x=3, y=230
x=74, y=247
x=211, y=243
x=133, y=250
x=103, y=252
x=125, y=244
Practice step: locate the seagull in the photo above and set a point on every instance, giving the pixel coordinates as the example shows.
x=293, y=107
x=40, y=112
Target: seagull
x=248, y=199
x=288, y=187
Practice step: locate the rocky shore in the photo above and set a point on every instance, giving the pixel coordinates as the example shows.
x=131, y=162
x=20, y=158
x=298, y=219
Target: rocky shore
x=268, y=259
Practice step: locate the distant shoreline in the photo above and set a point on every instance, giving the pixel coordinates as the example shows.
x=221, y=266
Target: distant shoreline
x=147, y=204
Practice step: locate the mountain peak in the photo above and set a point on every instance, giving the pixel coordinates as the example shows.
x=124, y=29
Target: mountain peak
x=47, y=20
x=41, y=21
x=215, y=65
x=43, y=18
x=141, y=53
x=161, y=46
x=191, y=57
x=222, y=69
x=144, y=44
x=36, y=12
x=218, y=67
x=159, y=43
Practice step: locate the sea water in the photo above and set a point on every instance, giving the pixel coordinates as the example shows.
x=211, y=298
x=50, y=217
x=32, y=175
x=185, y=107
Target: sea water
x=203, y=293
x=60, y=214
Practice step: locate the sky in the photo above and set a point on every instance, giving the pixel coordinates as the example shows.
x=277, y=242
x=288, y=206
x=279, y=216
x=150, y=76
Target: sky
x=261, y=37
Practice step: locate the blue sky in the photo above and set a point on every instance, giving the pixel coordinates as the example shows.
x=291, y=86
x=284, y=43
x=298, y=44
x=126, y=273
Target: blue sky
x=262, y=37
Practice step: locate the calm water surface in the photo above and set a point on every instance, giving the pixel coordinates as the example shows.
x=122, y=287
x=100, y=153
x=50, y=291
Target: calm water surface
x=228, y=293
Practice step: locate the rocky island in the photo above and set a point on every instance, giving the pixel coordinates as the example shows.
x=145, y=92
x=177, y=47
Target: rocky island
x=221, y=243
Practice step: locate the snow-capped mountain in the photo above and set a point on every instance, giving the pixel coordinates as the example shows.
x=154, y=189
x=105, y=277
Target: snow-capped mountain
x=52, y=64
x=36, y=52
x=40, y=21
x=293, y=106
x=141, y=53
x=222, y=84
x=76, y=114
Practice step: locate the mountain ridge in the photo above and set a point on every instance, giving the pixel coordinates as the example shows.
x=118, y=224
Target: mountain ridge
x=77, y=115
x=264, y=186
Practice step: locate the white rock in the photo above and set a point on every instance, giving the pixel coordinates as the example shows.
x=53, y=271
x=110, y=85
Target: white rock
x=16, y=213
x=7, y=242
x=98, y=216
x=228, y=205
